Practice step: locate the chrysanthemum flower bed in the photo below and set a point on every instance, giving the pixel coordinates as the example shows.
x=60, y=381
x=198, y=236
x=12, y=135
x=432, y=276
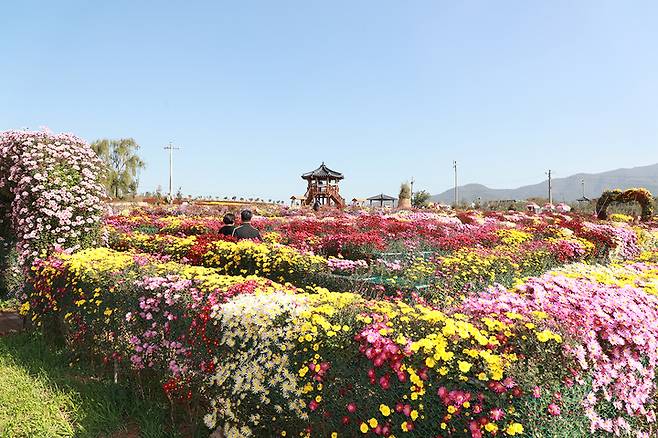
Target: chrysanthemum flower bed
x=572, y=350
x=507, y=248
x=270, y=260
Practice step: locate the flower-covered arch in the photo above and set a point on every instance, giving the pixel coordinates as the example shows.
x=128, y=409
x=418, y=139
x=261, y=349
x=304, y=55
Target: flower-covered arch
x=50, y=196
x=641, y=196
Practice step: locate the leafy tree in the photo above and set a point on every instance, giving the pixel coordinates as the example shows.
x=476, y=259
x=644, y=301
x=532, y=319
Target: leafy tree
x=122, y=165
x=420, y=198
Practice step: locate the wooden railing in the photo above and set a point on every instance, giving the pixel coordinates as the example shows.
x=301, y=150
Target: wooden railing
x=330, y=192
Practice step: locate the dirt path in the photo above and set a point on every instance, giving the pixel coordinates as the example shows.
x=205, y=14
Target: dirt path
x=10, y=322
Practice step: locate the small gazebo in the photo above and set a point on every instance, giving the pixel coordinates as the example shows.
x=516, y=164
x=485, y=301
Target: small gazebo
x=323, y=187
x=382, y=198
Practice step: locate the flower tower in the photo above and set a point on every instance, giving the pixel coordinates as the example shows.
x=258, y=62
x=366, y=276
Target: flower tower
x=50, y=196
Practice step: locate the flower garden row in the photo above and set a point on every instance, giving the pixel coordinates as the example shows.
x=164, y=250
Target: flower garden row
x=212, y=322
x=446, y=254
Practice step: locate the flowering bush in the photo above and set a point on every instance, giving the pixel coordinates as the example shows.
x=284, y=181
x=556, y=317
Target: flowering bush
x=269, y=359
x=94, y=294
x=613, y=314
x=49, y=185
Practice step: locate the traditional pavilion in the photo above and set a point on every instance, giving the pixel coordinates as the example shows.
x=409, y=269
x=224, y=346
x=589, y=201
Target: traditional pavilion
x=323, y=187
x=382, y=198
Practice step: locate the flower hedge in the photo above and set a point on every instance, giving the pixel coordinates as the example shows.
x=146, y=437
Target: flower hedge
x=50, y=191
x=616, y=325
x=246, y=257
x=572, y=349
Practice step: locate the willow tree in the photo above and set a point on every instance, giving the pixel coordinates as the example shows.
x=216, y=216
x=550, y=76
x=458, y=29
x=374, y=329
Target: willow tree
x=122, y=165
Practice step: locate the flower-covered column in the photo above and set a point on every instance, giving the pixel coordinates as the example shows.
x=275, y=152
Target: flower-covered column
x=51, y=195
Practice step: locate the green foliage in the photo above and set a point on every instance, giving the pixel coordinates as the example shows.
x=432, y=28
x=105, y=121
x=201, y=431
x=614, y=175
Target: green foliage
x=420, y=198
x=69, y=176
x=9, y=305
x=122, y=165
x=8, y=256
x=572, y=421
x=11, y=274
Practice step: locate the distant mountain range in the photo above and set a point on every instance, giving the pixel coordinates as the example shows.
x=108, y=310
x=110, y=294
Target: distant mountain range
x=564, y=189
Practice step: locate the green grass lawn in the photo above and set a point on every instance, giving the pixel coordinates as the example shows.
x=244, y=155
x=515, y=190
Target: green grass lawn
x=41, y=395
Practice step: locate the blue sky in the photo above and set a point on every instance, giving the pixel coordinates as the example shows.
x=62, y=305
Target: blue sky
x=258, y=92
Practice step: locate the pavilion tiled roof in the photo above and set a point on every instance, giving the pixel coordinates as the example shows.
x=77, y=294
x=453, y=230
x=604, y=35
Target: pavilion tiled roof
x=322, y=172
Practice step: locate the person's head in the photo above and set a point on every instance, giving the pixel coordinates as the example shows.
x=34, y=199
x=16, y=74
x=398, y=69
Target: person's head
x=229, y=218
x=246, y=215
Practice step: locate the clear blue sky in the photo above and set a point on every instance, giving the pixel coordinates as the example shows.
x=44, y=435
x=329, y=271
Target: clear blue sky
x=258, y=92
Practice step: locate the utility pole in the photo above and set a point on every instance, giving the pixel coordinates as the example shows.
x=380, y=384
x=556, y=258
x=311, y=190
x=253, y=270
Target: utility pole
x=412, y=189
x=454, y=165
x=582, y=182
x=550, y=188
x=171, y=150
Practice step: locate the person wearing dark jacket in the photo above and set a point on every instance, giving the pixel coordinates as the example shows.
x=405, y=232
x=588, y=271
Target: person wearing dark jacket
x=229, y=225
x=246, y=230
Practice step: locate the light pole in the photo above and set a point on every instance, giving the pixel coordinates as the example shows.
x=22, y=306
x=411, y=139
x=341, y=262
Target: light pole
x=411, y=195
x=171, y=150
x=454, y=165
x=550, y=189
